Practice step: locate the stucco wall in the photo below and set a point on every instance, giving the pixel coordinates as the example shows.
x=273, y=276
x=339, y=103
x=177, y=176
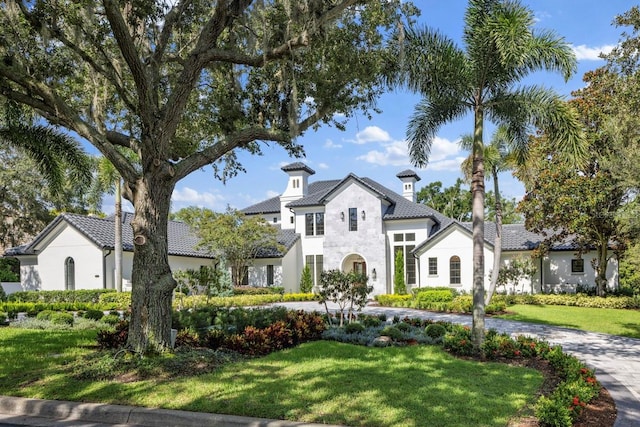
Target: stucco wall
x=369, y=241
x=557, y=275
x=69, y=243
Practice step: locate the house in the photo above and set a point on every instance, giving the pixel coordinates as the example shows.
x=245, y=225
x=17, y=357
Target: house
x=357, y=224
x=77, y=252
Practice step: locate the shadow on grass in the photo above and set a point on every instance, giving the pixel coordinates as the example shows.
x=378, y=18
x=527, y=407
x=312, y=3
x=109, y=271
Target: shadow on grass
x=329, y=382
x=536, y=320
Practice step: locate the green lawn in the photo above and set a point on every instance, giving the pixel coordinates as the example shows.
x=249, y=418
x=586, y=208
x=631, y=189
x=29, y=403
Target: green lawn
x=322, y=381
x=606, y=320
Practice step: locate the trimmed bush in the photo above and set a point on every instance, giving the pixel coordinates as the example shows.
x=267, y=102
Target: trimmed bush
x=93, y=314
x=110, y=319
x=435, y=330
x=79, y=296
x=354, y=328
x=391, y=332
x=393, y=300
x=61, y=318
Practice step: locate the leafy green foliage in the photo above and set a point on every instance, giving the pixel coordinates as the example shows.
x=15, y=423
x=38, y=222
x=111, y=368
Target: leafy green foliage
x=453, y=201
x=238, y=238
x=399, y=284
x=517, y=269
x=82, y=295
x=344, y=289
x=306, y=281
x=9, y=270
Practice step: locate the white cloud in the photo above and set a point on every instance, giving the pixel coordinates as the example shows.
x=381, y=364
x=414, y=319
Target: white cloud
x=450, y=165
x=271, y=194
x=371, y=134
x=442, y=148
x=330, y=144
x=189, y=197
x=584, y=52
x=323, y=166
x=396, y=154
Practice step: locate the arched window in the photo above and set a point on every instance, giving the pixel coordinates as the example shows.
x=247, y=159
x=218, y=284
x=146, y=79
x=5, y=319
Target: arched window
x=454, y=270
x=69, y=274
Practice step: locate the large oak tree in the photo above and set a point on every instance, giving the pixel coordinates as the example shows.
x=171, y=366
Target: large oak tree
x=184, y=84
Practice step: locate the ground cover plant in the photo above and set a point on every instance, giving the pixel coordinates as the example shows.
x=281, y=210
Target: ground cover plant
x=605, y=320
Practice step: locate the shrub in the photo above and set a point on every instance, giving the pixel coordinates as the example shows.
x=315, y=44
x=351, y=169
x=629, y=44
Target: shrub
x=80, y=296
x=393, y=300
x=354, y=328
x=306, y=281
x=391, y=332
x=371, y=321
x=93, y=314
x=458, y=341
x=56, y=317
x=435, y=295
x=299, y=297
x=403, y=327
x=121, y=300
x=435, y=331
x=213, y=338
x=111, y=319
x=186, y=338
x=3, y=317
x=108, y=339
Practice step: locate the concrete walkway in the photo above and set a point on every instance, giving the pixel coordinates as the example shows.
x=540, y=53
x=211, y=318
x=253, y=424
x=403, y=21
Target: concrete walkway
x=615, y=359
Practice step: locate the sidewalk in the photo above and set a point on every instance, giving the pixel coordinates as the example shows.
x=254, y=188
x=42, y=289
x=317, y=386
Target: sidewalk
x=615, y=359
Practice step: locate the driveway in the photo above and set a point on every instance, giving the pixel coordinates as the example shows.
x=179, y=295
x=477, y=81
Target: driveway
x=615, y=359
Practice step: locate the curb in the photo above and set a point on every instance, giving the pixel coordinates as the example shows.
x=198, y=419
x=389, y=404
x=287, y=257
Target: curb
x=132, y=415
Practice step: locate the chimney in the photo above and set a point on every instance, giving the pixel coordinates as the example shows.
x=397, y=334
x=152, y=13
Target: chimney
x=409, y=179
x=297, y=186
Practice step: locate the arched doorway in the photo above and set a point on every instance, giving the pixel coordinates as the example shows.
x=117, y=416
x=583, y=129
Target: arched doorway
x=354, y=262
x=69, y=274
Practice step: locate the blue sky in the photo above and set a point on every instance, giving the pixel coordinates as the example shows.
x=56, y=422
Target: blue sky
x=376, y=148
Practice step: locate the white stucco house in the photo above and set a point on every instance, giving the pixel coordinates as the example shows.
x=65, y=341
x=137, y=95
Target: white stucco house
x=355, y=223
x=77, y=252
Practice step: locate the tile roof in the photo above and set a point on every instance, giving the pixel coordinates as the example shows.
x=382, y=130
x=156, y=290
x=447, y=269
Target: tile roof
x=316, y=189
x=101, y=231
x=408, y=173
x=298, y=166
x=286, y=238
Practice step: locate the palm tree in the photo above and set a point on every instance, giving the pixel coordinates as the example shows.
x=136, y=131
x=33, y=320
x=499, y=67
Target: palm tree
x=53, y=152
x=498, y=156
x=500, y=49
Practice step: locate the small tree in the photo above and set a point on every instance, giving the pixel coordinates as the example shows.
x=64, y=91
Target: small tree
x=519, y=268
x=399, y=284
x=239, y=239
x=344, y=289
x=306, y=281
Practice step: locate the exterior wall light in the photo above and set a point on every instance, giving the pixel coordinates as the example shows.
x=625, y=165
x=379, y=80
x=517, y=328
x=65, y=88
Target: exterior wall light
x=363, y=215
x=342, y=216
x=374, y=274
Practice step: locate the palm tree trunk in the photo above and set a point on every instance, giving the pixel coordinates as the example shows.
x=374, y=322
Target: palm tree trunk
x=118, y=237
x=497, y=243
x=477, y=212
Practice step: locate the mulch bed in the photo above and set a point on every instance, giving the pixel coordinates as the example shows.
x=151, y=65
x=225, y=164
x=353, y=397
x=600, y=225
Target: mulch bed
x=601, y=412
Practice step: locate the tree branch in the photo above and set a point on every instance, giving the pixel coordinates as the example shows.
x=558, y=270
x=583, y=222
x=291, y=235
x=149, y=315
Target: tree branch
x=127, y=47
x=211, y=154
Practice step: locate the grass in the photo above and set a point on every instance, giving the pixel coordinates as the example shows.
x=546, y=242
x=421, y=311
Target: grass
x=323, y=381
x=606, y=320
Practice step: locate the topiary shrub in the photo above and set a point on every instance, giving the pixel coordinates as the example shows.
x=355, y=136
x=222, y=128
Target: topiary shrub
x=435, y=331
x=93, y=314
x=403, y=327
x=391, y=332
x=61, y=318
x=354, y=328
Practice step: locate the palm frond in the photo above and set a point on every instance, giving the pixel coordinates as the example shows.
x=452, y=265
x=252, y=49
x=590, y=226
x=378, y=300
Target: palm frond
x=428, y=117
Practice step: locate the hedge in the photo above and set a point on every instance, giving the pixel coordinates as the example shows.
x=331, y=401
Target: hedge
x=576, y=300
x=81, y=296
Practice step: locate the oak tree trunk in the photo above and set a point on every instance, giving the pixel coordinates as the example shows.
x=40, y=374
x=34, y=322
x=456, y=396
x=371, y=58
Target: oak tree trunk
x=601, y=270
x=152, y=282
